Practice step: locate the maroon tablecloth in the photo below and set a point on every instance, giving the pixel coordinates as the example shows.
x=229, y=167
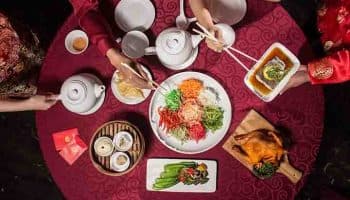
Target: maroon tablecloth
x=300, y=110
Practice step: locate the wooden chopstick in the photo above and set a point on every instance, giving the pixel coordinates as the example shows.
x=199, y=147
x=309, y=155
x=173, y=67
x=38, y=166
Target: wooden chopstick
x=208, y=35
x=243, y=54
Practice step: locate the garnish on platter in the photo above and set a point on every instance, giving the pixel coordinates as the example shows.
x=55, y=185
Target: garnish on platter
x=188, y=173
x=190, y=111
x=258, y=146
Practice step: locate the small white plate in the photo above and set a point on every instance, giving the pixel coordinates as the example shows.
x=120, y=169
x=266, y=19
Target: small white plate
x=119, y=136
x=113, y=161
x=274, y=93
x=134, y=15
x=156, y=166
x=127, y=100
x=70, y=38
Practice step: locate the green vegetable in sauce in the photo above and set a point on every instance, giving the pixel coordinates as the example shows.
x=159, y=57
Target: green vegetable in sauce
x=213, y=117
x=173, y=100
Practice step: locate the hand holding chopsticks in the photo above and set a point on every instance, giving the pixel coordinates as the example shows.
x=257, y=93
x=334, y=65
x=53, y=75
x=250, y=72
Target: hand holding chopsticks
x=210, y=36
x=142, y=77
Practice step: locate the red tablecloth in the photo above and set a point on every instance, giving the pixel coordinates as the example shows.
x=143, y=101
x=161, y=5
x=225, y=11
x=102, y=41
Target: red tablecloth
x=301, y=110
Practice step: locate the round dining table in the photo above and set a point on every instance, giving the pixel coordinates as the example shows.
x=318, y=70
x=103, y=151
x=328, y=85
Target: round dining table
x=299, y=110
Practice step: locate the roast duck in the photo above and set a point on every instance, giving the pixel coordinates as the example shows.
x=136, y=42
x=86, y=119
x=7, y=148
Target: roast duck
x=259, y=147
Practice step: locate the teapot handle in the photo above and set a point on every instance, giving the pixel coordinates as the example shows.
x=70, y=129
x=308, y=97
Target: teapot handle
x=150, y=51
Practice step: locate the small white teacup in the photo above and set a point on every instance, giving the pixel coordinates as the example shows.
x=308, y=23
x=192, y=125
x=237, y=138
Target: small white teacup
x=133, y=44
x=76, y=42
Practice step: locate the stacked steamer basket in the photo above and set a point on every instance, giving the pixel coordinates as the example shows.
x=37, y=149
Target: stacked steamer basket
x=110, y=129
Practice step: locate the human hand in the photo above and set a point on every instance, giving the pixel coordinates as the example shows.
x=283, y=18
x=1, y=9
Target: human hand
x=41, y=102
x=125, y=73
x=299, y=78
x=215, y=46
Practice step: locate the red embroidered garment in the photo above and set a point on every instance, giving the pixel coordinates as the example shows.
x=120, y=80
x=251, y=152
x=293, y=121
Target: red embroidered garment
x=334, y=24
x=95, y=25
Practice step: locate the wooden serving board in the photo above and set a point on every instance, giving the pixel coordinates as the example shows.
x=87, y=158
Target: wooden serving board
x=254, y=121
x=102, y=164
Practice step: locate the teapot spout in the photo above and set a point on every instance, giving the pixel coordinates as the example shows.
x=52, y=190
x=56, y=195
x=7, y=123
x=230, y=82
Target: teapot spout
x=99, y=89
x=196, y=39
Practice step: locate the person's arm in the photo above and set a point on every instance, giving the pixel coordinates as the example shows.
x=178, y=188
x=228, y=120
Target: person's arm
x=201, y=12
x=37, y=102
x=331, y=69
x=94, y=24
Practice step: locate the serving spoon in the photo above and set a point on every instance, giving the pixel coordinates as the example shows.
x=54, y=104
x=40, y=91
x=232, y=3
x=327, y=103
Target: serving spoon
x=182, y=21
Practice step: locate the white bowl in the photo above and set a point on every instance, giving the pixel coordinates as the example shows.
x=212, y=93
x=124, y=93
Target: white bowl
x=272, y=95
x=115, y=166
x=228, y=34
x=103, y=146
x=71, y=36
x=123, y=135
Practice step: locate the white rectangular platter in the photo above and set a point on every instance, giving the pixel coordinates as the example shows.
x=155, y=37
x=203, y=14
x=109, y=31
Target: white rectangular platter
x=155, y=166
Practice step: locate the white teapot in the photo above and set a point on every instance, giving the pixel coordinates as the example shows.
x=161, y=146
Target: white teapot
x=175, y=48
x=80, y=93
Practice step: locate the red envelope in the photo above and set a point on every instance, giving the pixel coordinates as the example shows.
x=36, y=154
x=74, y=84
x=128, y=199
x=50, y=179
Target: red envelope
x=61, y=139
x=72, y=151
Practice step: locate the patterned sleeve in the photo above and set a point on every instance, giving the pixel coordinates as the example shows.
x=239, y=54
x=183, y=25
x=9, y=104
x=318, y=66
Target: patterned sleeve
x=91, y=21
x=331, y=69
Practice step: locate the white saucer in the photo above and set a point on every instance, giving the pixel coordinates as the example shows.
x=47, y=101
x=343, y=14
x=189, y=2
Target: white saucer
x=99, y=101
x=134, y=15
x=187, y=63
x=126, y=100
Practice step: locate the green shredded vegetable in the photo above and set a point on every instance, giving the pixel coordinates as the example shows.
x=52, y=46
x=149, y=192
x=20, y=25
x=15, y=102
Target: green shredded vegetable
x=180, y=133
x=173, y=100
x=213, y=117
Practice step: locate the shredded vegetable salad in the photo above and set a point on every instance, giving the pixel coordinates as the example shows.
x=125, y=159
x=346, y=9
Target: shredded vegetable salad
x=168, y=118
x=187, y=115
x=173, y=100
x=191, y=88
x=212, y=117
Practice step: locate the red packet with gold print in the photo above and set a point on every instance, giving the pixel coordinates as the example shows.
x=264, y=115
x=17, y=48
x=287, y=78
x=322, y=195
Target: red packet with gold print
x=63, y=138
x=72, y=151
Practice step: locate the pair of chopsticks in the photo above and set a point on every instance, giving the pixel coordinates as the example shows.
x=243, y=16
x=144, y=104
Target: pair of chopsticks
x=210, y=36
x=144, y=78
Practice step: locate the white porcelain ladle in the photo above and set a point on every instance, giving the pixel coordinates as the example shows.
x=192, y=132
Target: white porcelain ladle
x=182, y=21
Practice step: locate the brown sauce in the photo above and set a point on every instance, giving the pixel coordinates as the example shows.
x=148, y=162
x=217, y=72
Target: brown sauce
x=261, y=88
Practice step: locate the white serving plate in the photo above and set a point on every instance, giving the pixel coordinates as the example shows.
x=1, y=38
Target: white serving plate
x=127, y=100
x=134, y=15
x=156, y=166
x=283, y=83
x=190, y=147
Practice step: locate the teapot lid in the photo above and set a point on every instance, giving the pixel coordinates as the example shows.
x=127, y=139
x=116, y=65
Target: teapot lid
x=173, y=42
x=76, y=92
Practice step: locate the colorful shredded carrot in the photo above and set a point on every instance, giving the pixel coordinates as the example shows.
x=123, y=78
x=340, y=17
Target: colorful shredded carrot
x=191, y=88
x=168, y=118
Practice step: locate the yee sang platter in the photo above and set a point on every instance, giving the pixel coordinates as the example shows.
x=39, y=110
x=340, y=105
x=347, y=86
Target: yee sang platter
x=191, y=116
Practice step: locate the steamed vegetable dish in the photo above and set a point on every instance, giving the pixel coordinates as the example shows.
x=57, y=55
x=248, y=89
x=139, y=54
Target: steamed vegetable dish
x=271, y=72
x=191, y=111
x=188, y=173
